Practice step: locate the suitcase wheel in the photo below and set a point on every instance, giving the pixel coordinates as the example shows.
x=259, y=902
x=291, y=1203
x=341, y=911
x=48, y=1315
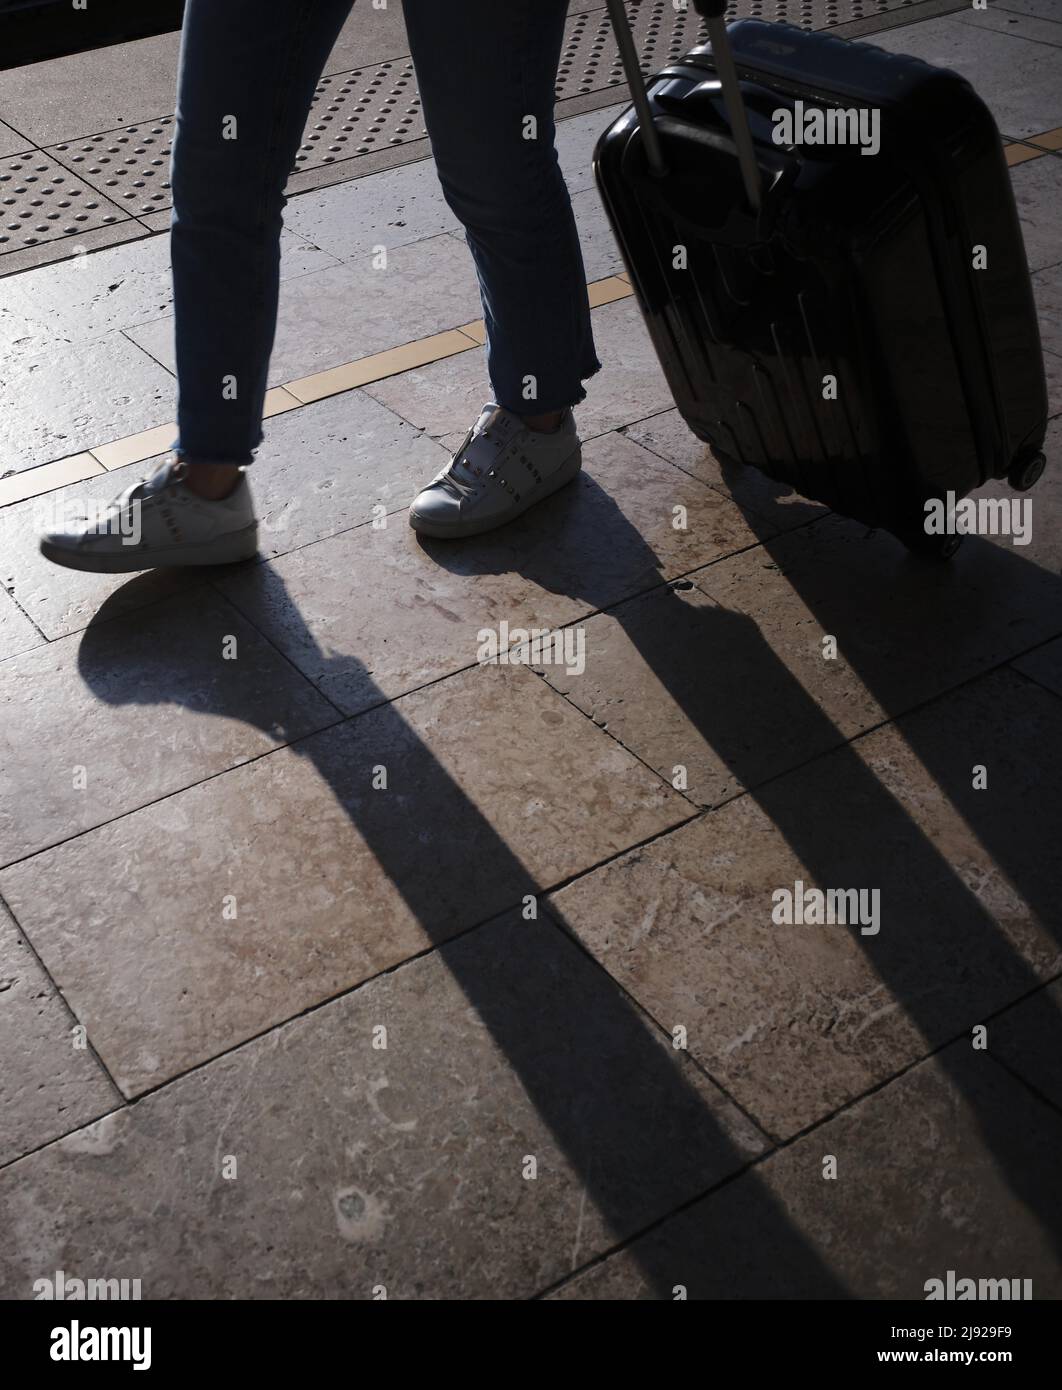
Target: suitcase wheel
x=1024, y=474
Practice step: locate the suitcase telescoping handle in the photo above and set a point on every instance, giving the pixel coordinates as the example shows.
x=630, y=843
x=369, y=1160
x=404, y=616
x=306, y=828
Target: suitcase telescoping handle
x=713, y=11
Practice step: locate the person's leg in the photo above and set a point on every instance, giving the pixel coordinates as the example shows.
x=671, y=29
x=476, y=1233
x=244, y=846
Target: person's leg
x=246, y=79
x=486, y=73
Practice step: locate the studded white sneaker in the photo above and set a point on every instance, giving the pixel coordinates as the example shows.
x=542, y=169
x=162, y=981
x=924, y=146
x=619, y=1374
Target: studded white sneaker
x=502, y=468
x=153, y=523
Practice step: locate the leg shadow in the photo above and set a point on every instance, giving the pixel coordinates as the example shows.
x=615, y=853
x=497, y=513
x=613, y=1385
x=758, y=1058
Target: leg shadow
x=942, y=955
x=629, y=1114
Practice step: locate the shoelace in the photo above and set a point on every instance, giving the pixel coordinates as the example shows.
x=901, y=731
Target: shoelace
x=447, y=479
x=462, y=488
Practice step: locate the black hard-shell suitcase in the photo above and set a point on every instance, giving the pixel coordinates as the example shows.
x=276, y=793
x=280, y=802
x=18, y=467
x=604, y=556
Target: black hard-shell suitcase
x=860, y=327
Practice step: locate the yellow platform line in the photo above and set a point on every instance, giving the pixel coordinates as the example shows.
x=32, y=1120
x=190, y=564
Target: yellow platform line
x=607, y=291
x=292, y=395
x=1021, y=154
x=46, y=477
x=364, y=370
x=1049, y=140
x=1032, y=146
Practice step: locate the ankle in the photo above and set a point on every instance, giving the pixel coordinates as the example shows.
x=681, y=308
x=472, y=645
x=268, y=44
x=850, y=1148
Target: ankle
x=212, y=481
x=544, y=424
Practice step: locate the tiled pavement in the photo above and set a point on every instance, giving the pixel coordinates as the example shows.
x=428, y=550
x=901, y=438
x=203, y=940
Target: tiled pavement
x=517, y=1022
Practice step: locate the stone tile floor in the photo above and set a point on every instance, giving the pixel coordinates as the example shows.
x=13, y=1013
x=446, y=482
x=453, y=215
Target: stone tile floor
x=354, y=961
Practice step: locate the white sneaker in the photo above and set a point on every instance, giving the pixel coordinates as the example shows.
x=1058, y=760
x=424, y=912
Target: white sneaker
x=157, y=522
x=502, y=468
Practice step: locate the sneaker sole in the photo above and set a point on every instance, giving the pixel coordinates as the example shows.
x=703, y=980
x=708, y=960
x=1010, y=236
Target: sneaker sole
x=224, y=550
x=568, y=470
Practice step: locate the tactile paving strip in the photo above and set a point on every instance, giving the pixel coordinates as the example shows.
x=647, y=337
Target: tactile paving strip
x=590, y=57
x=42, y=201
x=358, y=113
x=130, y=166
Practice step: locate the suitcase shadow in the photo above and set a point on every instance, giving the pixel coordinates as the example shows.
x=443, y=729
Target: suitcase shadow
x=945, y=960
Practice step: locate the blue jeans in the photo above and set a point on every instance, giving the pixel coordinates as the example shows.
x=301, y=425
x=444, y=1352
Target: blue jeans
x=249, y=68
